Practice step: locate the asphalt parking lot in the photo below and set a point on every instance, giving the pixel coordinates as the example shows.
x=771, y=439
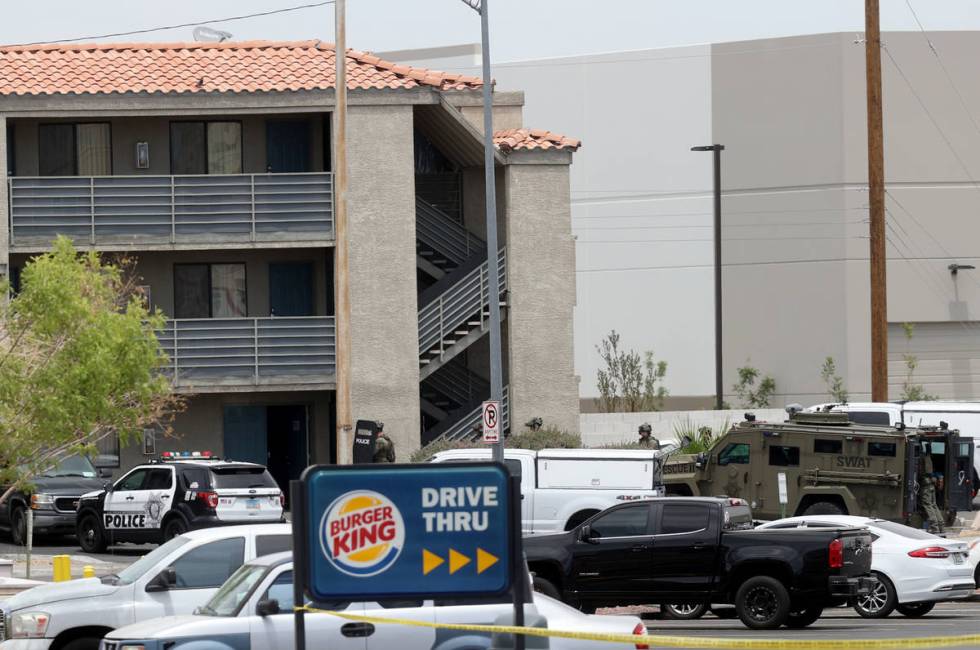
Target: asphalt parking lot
x=947, y=619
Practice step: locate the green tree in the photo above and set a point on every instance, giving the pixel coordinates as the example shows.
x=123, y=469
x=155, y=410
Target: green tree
x=835, y=383
x=912, y=391
x=750, y=395
x=629, y=382
x=79, y=361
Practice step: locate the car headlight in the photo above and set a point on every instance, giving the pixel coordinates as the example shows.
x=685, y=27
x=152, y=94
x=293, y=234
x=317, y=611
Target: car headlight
x=29, y=625
x=132, y=647
x=42, y=501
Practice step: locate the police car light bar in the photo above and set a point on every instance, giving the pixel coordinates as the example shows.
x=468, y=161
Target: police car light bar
x=186, y=454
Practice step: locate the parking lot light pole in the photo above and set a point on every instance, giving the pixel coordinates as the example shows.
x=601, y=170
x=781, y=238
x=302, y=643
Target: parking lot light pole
x=493, y=259
x=719, y=389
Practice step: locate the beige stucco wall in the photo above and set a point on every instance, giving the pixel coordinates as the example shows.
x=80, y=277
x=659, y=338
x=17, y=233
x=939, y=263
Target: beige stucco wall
x=201, y=425
x=384, y=320
x=541, y=283
x=127, y=131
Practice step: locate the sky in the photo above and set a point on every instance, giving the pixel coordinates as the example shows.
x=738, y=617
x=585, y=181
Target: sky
x=520, y=29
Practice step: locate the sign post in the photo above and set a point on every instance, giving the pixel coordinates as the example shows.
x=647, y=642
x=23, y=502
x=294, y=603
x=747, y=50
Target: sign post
x=381, y=532
x=491, y=422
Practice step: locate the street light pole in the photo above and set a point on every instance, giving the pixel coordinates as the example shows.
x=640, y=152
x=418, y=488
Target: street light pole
x=493, y=259
x=719, y=389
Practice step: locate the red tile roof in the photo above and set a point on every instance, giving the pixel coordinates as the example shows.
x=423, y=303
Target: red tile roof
x=246, y=66
x=511, y=139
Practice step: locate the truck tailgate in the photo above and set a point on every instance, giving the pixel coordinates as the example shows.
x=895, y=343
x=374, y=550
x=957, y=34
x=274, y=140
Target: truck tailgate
x=857, y=552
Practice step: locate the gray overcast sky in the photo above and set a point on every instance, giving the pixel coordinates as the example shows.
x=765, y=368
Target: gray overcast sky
x=520, y=29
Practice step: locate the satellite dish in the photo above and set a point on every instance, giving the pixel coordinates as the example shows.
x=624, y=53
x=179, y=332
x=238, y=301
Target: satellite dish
x=208, y=35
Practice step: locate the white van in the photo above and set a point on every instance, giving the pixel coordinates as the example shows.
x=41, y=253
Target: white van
x=561, y=488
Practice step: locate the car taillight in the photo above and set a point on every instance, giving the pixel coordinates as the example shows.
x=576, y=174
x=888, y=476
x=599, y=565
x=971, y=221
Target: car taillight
x=210, y=499
x=640, y=630
x=282, y=500
x=836, y=555
x=931, y=552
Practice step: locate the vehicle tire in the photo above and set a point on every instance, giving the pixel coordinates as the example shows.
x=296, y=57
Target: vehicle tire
x=684, y=612
x=880, y=602
x=976, y=576
x=173, y=528
x=91, y=536
x=725, y=612
x=762, y=603
x=804, y=617
x=578, y=518
x=18, y=525
x=85, y=643
x=915, y=610
x=546, y=587
x=823, y=508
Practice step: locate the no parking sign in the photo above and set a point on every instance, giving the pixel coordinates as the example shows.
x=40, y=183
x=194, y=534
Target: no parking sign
x=491, y=422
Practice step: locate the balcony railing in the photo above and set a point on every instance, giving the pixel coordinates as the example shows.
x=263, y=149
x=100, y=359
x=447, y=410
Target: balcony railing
x=250, y=351
x=171, y=209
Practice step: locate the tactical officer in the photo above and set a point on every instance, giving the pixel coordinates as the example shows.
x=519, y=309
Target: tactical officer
x=646, y=437
x=927, y=501
x=384, y=447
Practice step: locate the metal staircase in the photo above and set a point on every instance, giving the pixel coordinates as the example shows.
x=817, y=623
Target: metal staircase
x=453, y=315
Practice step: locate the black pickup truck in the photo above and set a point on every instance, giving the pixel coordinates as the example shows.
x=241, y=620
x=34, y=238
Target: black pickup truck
x=699, y=550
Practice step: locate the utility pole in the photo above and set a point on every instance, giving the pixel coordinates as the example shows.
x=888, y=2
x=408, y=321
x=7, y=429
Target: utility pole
x=716, y=159
x=876, y=189
x=345, y=424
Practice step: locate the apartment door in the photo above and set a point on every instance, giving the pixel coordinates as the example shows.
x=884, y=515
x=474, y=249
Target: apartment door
x=246, y=433
x=287, y=146
x=287, y=442
x=291, y=289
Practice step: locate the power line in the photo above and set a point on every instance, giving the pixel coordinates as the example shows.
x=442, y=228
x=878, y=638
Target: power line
x=180, y=26
x=757, y=239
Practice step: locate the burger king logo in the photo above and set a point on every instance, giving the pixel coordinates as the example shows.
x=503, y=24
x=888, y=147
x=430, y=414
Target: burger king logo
x=362, y=533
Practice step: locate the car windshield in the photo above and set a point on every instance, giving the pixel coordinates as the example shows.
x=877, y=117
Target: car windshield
x=137, y=569
x=230, y=597
x=899, y=529
x=73, y=466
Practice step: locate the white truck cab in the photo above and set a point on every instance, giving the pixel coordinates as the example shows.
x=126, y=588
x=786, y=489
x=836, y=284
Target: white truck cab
x=561, y=488
x=173, y=579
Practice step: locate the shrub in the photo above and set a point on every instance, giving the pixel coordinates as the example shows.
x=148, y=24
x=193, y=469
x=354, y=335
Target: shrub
x=546, y=438
x=428, y=451
x=748, y=393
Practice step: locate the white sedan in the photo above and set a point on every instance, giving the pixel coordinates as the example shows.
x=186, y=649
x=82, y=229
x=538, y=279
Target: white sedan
x=915, y=569
x=253, y=609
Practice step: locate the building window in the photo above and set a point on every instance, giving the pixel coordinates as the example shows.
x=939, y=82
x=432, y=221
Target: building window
x=107, y=451
x=11, y=154
x=784, y=456
x=205, y=148
x=209, y=291
x=881, y=449
x=828, y=446
x=74, y=149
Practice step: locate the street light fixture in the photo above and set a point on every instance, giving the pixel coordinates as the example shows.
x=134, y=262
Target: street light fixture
x=493, y=260
x=717, y=149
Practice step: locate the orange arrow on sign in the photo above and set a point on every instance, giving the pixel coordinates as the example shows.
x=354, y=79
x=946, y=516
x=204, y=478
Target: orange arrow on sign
x=484, y=560
x=430, y=561
x=457, y=561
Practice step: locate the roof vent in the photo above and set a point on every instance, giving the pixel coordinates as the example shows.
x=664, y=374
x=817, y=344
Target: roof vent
x=207, y=35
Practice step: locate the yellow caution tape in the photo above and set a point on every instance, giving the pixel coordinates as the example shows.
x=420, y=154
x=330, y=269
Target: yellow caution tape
x=923, y=643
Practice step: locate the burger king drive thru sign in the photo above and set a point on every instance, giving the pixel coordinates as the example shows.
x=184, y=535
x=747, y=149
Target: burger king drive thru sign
x=384, y=531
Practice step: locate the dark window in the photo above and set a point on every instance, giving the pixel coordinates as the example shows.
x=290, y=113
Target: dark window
x=134, y=481
x=738, y=518
x=281, y=590
x=625, y=522
x=205, y=148
x=11, y=151
x=734, y=453
x=209, y=291
x=881, y=448
x=683, y=518
x=784, y=456
x=159, y=479
x=869, y=417
x=15, y=280
x=70, y=149
x=241, y=477
x=107, y=451
x=210, y=565
x=828, y=446
x=400, y=604
x=196, y=479
x=269, y=544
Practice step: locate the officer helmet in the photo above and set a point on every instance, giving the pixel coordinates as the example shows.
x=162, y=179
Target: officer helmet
x=646, y=428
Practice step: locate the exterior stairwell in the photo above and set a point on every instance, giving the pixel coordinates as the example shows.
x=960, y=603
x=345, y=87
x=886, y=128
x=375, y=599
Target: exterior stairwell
x=454, y=313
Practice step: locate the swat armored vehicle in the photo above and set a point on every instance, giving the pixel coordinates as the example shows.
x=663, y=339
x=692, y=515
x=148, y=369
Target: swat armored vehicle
x=831, y=466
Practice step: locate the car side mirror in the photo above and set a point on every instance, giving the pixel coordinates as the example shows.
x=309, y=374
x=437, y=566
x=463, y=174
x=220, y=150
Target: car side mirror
x=164, y=581
x=107, y=486
x=267, y=607
x=587, y=535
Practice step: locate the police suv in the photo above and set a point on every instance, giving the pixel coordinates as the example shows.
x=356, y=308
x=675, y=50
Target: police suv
x=182, y=491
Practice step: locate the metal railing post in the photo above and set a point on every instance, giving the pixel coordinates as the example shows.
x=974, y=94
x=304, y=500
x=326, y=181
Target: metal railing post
x=91, y=199
x=173, y=210
x=252, y=194
x=255, y=330
x=10, y=208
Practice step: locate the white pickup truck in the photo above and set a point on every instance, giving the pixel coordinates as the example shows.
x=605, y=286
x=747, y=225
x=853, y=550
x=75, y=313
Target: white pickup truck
x=173, y=579
x=561, y=488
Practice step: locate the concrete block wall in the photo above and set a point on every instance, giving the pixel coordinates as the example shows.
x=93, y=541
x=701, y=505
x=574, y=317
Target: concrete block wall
x=610, y=428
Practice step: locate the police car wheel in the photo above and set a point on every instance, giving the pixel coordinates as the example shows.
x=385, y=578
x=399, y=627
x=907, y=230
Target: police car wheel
x=915, y=610
x=173, y=528
x=880, y=601
x=91, y=537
